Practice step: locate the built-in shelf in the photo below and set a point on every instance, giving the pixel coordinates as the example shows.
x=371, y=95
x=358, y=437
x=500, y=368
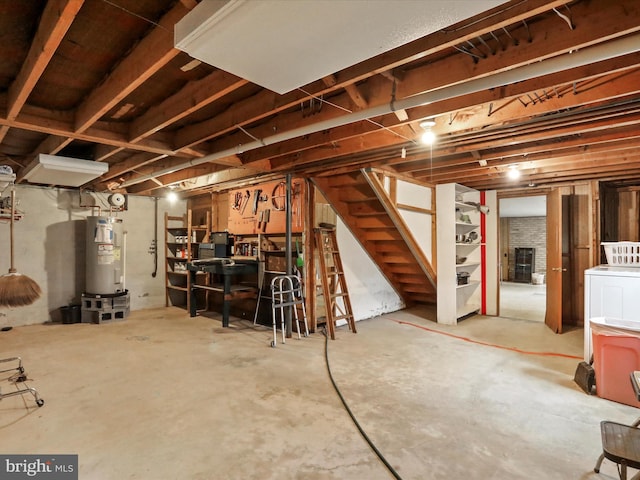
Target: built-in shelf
x=468, y=265
x=472, y=283
x=465, y=207
x=466, y=226
x=458, y=236
x=467, y=309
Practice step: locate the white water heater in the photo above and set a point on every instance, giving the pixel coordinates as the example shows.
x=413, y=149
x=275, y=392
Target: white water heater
x=105, y=256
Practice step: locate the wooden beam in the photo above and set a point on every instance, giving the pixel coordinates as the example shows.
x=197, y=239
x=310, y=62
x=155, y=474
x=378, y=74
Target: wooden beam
x=352, y=90
x=597, y=21
x=152, y=53
x=266, y=103
x=54, y=23
x=192, y=97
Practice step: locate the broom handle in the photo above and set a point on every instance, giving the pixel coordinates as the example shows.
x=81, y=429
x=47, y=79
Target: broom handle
x=13, y=214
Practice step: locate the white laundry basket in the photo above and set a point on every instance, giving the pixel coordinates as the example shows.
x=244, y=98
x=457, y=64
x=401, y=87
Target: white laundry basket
x=537, y=278
x=622, y=254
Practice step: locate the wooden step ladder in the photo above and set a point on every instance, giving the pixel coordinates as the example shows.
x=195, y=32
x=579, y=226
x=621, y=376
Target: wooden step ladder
x=334, y=285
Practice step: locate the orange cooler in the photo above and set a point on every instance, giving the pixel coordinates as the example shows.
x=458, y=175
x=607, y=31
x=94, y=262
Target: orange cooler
x=616, y=353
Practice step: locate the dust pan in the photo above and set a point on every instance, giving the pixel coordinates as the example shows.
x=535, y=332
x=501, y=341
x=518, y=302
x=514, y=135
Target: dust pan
x=16, y=290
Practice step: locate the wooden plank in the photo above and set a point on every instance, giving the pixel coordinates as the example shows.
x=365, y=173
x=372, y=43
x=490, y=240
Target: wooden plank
x=54, y=23
x=192, y=97
x=152, y=53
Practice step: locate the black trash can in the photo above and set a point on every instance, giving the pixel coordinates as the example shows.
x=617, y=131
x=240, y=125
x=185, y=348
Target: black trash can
x=71, y=314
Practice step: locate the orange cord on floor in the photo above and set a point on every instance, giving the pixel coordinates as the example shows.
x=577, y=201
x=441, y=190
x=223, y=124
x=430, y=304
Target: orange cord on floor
x=513, y=349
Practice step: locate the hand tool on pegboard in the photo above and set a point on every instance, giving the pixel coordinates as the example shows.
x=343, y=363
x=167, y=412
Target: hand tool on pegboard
x=297, y=194
x=256, y=198
x=278, y=196
x=245, y=201
x=237, y=201
x=259, y=221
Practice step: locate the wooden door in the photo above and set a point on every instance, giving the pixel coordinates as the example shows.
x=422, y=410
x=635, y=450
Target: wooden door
x=553, y=317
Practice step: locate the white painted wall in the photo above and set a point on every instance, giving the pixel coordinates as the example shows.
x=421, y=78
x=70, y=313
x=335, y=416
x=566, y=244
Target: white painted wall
x=418, y=223
x=369, y=291
x=50, y=248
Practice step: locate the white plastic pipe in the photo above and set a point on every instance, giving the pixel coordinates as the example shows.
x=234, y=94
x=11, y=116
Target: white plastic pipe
x=124, y=260
x=598, y=53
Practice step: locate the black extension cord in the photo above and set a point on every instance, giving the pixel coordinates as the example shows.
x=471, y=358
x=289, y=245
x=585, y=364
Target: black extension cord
x=353, y=418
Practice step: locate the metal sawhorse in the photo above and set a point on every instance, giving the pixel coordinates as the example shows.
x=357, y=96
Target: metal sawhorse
x=286, y=291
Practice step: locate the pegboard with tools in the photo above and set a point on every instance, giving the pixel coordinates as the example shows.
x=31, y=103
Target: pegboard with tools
x=261, y=208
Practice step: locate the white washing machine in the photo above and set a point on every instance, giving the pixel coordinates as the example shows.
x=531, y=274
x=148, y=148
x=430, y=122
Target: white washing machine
x=612, y=292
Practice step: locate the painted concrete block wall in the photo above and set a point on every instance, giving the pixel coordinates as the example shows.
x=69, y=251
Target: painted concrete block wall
x=50, y=248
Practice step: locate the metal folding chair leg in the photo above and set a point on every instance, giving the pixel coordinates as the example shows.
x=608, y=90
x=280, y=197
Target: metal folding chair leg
x=19, y=377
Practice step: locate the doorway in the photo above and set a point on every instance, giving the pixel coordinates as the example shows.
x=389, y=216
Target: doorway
x=523, y=251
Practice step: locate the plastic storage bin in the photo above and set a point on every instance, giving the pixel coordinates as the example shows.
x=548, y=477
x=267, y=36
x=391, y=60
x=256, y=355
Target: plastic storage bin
x=616, y=353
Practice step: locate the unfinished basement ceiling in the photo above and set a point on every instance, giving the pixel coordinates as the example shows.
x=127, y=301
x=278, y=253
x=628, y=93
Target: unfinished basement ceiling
x=102, y=80
x=282, y=45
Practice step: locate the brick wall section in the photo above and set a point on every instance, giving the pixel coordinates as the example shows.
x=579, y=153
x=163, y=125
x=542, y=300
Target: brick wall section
x=528, y=232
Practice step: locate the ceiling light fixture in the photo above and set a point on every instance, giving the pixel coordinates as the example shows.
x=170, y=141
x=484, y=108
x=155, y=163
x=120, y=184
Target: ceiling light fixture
x=428, y=137
x=513, y=173
x=63, y=171
x=172, y=196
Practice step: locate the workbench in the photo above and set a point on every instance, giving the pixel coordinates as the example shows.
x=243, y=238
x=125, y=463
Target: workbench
x=226, y=269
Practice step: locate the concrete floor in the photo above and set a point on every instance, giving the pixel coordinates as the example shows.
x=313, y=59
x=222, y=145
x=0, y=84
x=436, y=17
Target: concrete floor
x=523, y=301
x=164, y=396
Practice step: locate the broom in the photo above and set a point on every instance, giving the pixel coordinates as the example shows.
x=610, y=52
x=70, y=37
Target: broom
x=16, y=290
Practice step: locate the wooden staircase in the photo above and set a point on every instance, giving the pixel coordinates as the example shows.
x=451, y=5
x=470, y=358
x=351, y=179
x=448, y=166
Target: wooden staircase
x=362, y=203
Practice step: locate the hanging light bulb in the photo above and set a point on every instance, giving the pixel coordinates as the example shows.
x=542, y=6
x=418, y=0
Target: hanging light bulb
x=172, y=195
x=428, y=137
x=513, y=173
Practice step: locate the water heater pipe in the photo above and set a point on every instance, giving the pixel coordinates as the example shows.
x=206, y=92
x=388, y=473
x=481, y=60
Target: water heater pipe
x=124, y=261
x=598, y=53
x=155, y=238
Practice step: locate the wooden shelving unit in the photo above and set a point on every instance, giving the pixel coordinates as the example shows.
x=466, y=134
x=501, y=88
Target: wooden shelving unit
x=181, y=240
